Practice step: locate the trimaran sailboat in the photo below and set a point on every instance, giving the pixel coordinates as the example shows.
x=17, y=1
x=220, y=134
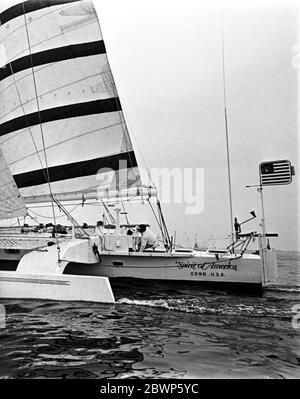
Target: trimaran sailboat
x=62, y=131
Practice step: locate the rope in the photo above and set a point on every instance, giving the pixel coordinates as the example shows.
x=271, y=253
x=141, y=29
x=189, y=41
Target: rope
x=31, y=217
x=157, y=221
x=50, y=217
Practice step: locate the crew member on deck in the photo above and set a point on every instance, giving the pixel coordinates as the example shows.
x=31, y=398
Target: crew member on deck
x=130, y=234
x=99, y=229
x=149, y=239
x=137, y=239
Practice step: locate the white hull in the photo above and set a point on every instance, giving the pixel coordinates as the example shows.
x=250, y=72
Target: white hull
x=39, y=275
x=55, y=287
x=196, y=267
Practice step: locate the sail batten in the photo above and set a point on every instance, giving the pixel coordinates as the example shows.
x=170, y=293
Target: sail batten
x=60, y=114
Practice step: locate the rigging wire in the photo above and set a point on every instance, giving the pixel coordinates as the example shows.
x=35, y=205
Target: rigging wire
x=157, y=220
x=57, y=216
x=112, y=219
x=31, y=217
x=41, y=126
x=12, y=225
x=125, y=213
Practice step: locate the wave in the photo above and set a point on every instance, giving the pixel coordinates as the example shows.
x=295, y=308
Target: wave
x=283, y=288
x=186, y=306
x=153, y=303
x=177, y=305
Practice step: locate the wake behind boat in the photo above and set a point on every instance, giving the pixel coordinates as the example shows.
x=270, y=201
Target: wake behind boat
x=64, y=138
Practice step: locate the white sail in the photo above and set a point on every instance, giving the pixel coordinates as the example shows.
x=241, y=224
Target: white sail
x=61, y=119
x=11, y=202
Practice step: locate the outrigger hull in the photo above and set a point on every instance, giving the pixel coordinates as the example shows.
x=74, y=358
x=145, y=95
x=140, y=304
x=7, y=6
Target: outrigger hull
x=38, y=273
x=14, y=285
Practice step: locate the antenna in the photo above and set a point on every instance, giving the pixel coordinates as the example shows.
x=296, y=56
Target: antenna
x=226, y=130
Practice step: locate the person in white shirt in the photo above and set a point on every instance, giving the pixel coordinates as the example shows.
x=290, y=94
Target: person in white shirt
x=149, y=239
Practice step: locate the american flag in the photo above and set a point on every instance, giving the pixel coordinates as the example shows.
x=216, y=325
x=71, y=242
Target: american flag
x=275, y=172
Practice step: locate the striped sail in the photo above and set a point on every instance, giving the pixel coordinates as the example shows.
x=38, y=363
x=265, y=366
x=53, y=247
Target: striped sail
x=61, y=119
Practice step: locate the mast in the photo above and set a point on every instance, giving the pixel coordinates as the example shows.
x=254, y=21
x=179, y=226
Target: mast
x=226, y=131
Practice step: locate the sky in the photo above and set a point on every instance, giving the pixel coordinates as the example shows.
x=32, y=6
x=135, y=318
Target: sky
x=166, y=58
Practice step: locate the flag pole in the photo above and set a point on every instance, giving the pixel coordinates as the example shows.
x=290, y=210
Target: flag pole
x=262, y=220
x=263, y=241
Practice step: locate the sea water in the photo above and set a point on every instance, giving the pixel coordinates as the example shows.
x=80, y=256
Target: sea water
x=158, y=331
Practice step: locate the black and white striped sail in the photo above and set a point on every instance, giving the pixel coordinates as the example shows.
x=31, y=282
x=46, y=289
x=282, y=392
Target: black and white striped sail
x=60, y=115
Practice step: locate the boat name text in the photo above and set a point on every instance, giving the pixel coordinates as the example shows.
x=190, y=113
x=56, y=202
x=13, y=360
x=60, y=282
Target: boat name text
x=206, y=266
